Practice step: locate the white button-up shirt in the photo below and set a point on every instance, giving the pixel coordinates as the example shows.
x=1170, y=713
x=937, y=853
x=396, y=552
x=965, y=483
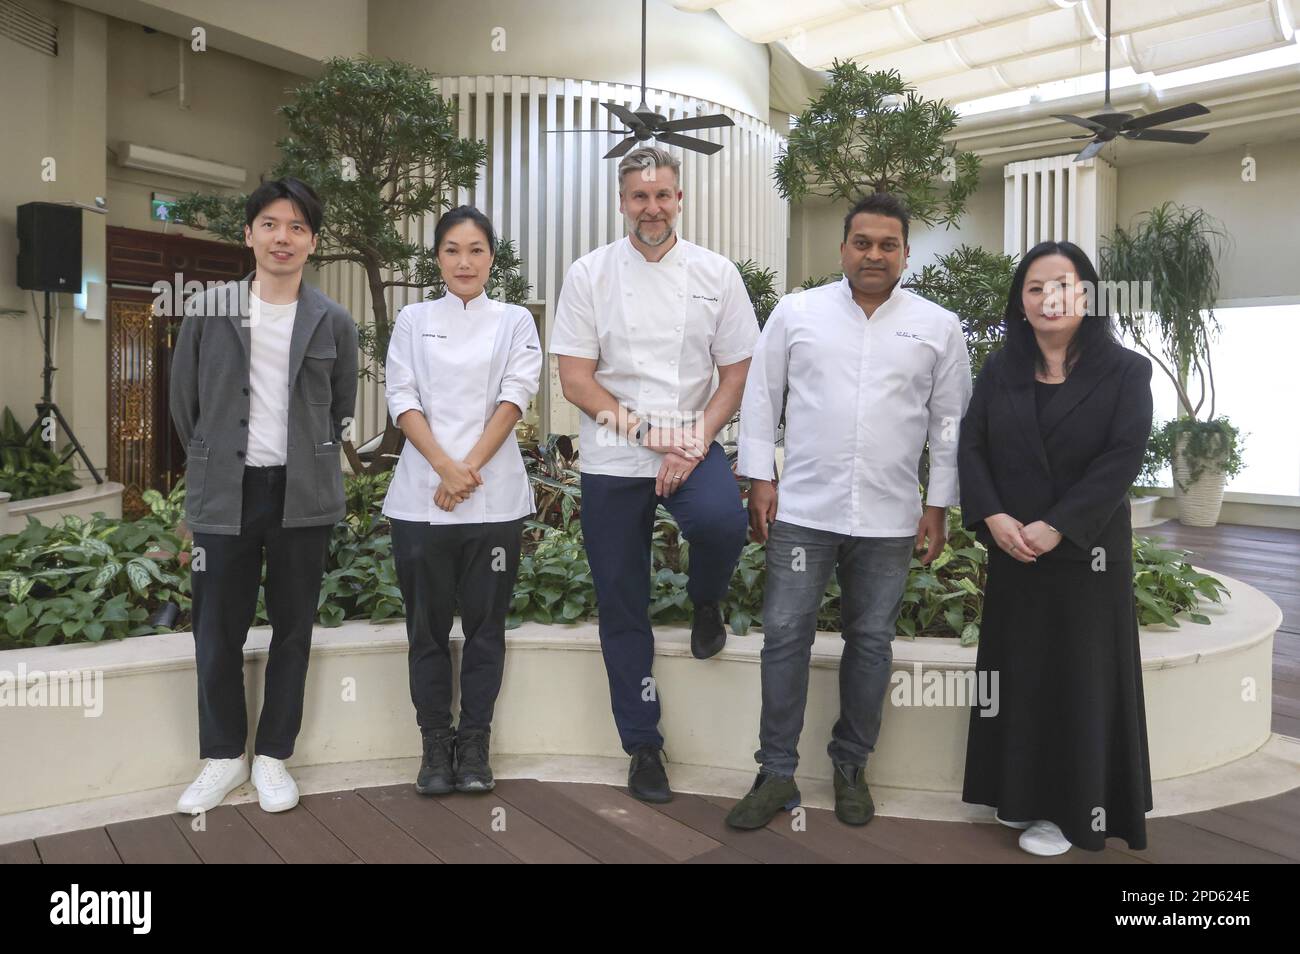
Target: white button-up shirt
x=657, y=330
x=456, y=363
x=864, y=395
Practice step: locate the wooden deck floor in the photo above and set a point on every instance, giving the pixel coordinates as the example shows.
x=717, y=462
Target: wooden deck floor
x=529, y=821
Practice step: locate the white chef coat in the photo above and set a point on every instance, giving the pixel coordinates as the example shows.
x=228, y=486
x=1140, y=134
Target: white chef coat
x=270, y=330
x=657, y=329
x=456, y=363
x=864, y=395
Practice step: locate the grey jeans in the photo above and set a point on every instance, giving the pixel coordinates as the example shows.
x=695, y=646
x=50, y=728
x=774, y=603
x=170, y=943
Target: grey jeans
x=873, y=576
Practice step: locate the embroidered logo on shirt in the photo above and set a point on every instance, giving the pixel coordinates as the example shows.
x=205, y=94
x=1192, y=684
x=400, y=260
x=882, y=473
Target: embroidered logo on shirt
x=909, y=334
x=531, y=347
x=704, y=297
x=429, y=334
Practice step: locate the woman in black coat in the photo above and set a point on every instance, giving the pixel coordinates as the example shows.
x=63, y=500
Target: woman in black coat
x=1052, y=440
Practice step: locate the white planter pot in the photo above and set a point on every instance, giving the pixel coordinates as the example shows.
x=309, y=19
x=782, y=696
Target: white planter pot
x=1199, y=505
x=1143, y=511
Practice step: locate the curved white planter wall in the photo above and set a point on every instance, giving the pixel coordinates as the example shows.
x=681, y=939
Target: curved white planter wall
x=555, y=701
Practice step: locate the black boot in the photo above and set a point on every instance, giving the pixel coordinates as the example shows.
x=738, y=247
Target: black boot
x=473, y=773
x=436, y=775
x=708, y=634
x=646, y=778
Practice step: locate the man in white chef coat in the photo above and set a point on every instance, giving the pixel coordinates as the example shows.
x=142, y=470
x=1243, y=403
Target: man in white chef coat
x=873, y=372
x=642, y=325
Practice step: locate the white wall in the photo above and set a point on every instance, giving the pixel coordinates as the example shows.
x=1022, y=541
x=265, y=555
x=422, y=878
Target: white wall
x=694, y=54
x=231, y=117
x=1261, y=216
x=817, y=227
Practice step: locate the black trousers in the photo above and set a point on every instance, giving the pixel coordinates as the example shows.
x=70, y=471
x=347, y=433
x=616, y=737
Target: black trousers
x=438, y=566
x=225, y=602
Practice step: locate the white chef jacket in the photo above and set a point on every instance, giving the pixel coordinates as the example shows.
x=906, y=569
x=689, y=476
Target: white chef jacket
x=864, y=395
x=456, y=363
x=657, y=330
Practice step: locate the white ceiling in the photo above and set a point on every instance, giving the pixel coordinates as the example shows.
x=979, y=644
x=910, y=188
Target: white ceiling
x=961, y=50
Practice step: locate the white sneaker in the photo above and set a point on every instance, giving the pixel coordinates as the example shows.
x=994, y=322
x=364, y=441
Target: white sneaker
x=217, y=780
x=1044, y=838
x=276, y=789
x=1011, y=824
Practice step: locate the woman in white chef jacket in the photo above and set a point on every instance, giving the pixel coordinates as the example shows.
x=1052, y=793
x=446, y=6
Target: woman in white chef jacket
x=460, y=371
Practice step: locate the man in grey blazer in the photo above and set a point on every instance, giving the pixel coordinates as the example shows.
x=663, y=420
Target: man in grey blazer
x=263, y=385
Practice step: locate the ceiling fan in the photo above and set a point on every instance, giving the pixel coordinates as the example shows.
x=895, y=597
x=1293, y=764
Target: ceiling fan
x=1110, y=124
x=644, y=123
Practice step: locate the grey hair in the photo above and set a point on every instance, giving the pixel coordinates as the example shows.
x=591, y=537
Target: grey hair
x=645, y=158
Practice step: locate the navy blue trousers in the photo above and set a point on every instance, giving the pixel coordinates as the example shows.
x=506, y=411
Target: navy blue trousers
x=617, y=522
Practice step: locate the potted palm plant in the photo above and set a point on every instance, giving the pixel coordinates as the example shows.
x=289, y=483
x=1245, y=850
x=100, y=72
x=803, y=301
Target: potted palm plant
x=1172, y=253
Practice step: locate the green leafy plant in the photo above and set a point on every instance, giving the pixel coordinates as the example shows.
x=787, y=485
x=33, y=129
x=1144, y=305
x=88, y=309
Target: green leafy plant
x=85, y=580
x=1201, y=445
x=28, y=468
x=974, y=284
x=1166, y=585
x=871, y=132
x=761, y=288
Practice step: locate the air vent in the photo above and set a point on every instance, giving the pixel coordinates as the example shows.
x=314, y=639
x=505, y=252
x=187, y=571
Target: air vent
x=21, y=25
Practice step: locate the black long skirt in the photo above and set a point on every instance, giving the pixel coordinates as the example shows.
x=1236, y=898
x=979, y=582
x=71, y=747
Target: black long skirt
x=1068, y=742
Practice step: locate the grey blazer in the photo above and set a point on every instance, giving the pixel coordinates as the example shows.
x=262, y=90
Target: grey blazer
x=209, y=398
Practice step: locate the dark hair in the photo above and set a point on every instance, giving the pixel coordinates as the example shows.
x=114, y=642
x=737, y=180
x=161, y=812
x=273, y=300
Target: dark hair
x=303, y=197
x=464, y=213
x=1093, y=332
x=878, y=203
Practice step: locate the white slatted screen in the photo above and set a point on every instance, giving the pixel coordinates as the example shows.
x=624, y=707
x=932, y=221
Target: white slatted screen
x=1057, y=199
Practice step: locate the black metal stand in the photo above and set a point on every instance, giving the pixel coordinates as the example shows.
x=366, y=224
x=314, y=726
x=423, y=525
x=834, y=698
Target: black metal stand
x=47, y=405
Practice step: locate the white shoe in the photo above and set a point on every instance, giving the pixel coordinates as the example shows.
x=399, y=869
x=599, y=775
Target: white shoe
x=276, y=789
x=1044, y=838
x=1011, y=824
x=217, y=780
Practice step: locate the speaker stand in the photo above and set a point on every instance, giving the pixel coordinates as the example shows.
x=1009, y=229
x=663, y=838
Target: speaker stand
x=47, y=405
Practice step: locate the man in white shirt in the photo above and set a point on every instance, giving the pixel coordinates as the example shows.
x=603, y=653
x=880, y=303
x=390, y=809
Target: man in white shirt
x=263, y=381
x=873, y=372
x=641, y=327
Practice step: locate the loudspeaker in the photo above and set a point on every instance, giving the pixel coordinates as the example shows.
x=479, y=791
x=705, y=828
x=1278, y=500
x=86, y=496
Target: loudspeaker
x=49, y=247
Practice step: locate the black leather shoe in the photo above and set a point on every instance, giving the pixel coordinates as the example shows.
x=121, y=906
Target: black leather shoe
x=853, y=802
x=646, y=778
x=436, y=774
x=708, y=634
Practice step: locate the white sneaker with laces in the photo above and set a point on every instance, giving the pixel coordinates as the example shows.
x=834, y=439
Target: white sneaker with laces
x=276, y=789
x=1045, y=839
x=217, y=780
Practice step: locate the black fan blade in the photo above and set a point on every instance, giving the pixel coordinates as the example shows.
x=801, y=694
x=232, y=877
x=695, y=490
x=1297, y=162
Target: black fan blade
x=697, y=122
x=1090, y=150
x=622, y=148
x=630, y=119
x=1079, y=121
x=689, y=142
x=1171, y=115
x=1165, y=135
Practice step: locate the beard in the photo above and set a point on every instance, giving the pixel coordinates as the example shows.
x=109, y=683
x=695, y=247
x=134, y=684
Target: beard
x=653, y=242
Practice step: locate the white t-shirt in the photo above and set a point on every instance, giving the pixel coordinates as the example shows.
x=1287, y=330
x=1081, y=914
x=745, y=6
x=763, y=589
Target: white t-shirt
x=270, y=329
x=657, y=330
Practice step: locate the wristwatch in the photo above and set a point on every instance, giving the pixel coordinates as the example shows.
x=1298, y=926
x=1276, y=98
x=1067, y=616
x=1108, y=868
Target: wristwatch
x=638, y=434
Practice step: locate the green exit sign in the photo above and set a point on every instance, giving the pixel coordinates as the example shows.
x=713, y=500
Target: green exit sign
x=160, y=207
